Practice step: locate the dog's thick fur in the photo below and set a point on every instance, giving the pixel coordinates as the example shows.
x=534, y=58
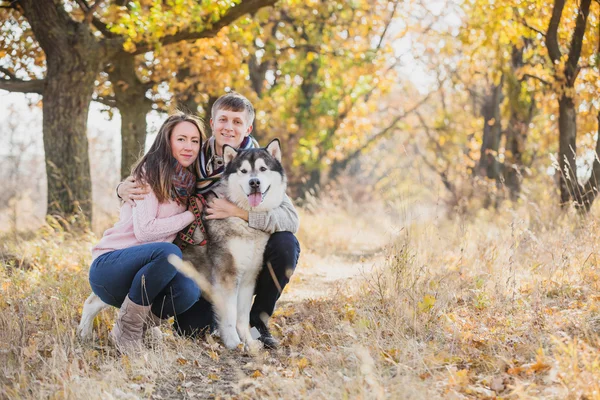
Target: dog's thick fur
x=227, y=266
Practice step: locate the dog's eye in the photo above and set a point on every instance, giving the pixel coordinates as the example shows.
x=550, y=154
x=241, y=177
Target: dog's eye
x=244, y=171
x=263, y=169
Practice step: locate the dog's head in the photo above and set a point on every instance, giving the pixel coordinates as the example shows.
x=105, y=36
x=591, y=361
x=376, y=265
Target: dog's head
x=255, y=178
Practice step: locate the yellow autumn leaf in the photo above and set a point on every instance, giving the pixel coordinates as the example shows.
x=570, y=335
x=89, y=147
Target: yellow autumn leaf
x=427, y=303
x=213, y=355
x=129, y=46
x=302, y=363
x=256, y=374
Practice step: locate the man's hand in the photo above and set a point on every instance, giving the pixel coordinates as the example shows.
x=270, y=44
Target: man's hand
x=221, y=208
x=130, y=190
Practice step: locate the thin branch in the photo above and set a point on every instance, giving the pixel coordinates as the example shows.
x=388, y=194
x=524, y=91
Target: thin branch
x=545, y=82
x=307, y=47
x=442, y=174
x=438, y=147
x=387, y=25
x=107, y=101
x=8, y=73
x=90, y=18
x=523, y=21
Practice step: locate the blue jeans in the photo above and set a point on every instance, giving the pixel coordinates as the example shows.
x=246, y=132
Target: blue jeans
x=143, y=273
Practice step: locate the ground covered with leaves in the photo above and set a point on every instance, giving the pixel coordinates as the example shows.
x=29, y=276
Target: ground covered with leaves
x=493, y=305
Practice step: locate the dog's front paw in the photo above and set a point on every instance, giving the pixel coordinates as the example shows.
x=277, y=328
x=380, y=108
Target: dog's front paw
x=230, y=339
x=253, y=346
x=84, y=333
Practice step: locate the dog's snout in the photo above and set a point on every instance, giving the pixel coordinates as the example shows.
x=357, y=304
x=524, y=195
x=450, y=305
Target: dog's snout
x=254, y=183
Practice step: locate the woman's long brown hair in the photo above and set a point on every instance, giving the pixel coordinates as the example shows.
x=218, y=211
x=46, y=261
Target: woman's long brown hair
x=157, y=166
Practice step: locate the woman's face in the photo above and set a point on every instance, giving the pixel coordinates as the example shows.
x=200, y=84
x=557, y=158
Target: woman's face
x=185, y=143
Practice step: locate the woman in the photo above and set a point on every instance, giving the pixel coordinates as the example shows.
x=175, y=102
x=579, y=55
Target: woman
x=130, y=269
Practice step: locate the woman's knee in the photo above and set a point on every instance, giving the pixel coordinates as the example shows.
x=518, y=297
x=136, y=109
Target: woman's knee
x=165, y=249
x=282, y=249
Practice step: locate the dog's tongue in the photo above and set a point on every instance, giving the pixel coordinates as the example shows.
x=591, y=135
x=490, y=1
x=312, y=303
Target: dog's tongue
x=254, y=199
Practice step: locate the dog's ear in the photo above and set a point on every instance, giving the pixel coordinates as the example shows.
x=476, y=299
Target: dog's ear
x=274, y=149
x=229, y=154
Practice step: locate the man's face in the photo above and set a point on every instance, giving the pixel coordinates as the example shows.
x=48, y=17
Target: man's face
x=230, y=127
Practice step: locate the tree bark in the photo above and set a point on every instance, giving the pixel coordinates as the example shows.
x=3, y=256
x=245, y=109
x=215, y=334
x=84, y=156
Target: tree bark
x=567, y=145
x=73, y=58
x=130, y=97
x=492, y=130
x=521, y=114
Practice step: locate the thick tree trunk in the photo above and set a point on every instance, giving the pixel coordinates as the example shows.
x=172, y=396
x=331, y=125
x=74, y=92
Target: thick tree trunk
x=207, y=114
x=567, y=114
x=133, y=133
x=567, y=145
x=73, y=58
x=185, y=100
x=130, y=96
x=492, y=131
x=516, y=136
x=522, y=109
x=67, y=96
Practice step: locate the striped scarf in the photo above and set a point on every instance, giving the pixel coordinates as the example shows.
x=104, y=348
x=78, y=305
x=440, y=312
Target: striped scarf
x=211, y=165
x=183, y=182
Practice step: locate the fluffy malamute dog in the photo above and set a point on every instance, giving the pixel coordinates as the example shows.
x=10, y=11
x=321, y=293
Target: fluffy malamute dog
x=227, y=266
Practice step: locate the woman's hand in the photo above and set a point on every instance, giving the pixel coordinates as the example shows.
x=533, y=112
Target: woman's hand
x=130, y=190
x=221, y=208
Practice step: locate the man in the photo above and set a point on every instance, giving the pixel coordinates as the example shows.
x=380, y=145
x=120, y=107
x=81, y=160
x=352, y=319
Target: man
x=231, y=121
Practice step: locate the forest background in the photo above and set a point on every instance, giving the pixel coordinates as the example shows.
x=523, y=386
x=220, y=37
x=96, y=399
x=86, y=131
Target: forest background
x=476, y=123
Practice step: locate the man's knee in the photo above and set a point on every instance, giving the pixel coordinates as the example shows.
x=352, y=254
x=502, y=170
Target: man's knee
x=282, y=254
x=283, y=244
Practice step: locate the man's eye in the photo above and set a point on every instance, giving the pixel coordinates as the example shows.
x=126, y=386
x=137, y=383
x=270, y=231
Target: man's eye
x=238, y=122
x=244, y=171
x=263, y=169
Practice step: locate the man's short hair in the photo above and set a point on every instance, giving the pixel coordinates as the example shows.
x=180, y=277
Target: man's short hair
x=233, y=101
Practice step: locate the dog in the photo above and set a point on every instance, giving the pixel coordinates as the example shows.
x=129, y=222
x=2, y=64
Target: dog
x=226, y=267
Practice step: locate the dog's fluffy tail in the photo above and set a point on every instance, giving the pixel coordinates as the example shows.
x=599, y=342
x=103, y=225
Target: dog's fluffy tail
x=188, y=270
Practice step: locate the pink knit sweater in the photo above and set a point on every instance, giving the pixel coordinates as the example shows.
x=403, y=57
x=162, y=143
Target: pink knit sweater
x=149, y=221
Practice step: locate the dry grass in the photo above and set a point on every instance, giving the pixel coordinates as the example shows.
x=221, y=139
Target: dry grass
x=500, y=306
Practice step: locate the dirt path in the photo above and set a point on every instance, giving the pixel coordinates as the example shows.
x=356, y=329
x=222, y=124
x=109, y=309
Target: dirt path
x=319, y=277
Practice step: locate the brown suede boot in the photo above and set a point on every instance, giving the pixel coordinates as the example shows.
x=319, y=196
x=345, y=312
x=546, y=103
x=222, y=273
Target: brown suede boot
x=127, y=333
